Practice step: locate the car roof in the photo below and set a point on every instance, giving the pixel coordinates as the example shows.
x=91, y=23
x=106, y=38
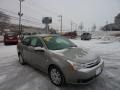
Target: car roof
x=42, y=35
x=9, y=32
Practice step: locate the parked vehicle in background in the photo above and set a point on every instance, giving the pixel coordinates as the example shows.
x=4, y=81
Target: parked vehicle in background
x=71, y=35
x=10, y=38
x=33, y=33
x=86, y=36
x=60, y=58
x=26, y=33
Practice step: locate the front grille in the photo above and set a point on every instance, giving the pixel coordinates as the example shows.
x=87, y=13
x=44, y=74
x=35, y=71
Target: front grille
x=86, y=80
x=92, y=64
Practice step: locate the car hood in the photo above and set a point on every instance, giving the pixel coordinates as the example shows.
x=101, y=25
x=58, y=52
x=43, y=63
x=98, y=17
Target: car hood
x=76, y=54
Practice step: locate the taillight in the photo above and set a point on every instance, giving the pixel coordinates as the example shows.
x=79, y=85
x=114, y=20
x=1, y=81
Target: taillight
x=19, y=40
x=15, y=38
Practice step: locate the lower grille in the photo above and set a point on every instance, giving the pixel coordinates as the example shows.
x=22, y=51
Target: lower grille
x=92, y=64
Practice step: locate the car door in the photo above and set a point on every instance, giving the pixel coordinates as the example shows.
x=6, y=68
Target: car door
x=25, y=50
x=38, y=58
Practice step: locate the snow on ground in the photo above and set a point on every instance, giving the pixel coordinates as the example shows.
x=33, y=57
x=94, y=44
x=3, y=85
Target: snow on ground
x=100, y=47
x=7, y=50
x=14, y=76
x=109, y=52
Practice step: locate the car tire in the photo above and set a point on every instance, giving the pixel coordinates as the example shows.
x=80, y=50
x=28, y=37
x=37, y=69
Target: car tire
x=21, y=60
x=5, y=43
x=56, y=76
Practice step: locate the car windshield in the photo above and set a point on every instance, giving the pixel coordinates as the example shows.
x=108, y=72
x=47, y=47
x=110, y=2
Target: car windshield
x=57, y=42
x=10, y=34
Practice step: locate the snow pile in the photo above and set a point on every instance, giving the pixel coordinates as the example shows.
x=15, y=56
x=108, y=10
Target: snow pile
x=98, y=47
x=108, y=39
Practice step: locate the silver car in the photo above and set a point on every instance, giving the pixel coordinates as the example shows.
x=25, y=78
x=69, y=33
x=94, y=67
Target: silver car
x=60, y=58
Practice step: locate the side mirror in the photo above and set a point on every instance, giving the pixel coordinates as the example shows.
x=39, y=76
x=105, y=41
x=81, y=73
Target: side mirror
x=39, y=49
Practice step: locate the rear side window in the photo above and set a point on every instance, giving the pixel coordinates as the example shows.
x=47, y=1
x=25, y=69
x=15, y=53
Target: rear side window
x=36, y=42
x=26, y=41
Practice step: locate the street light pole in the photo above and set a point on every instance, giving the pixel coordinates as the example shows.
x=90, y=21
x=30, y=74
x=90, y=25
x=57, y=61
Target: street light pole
x=61, y=22
x=20, y=15
x=71, y=26
x=20, y=19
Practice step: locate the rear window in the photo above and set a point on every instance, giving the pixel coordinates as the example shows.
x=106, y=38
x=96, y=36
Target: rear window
x=86, y=33
x=11, y=34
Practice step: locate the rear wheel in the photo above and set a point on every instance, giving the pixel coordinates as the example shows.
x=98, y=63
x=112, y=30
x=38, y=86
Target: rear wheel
x=56, y=76
x=5, y=43
x=21, y=60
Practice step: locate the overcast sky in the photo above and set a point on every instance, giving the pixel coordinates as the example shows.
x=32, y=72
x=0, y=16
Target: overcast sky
x=87, y=11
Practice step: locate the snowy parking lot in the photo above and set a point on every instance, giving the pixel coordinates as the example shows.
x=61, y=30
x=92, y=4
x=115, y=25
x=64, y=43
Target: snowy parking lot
x=14, y=76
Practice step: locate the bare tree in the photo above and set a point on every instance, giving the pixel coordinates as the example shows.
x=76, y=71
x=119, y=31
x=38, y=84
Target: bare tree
x=4, y=20
x=94, y=28
x=81, y=26
x=117, y=19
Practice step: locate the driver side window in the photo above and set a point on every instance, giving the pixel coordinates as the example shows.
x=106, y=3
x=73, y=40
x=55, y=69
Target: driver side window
x=26, y=41
x=35, y=42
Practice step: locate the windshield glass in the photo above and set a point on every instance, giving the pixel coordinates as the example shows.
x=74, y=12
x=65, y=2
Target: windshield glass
x=10, y=34
x=57, y=42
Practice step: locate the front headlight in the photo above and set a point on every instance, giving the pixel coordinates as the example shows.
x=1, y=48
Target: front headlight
x=76, y=66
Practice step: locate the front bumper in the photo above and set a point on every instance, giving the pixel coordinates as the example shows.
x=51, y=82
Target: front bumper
x=11, y=41
x=84, y=74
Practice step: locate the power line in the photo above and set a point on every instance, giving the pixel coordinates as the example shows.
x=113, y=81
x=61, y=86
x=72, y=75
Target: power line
x=52, y=12
x=45, y=9
x=14, y=13
x=25, y=20
x=16, y=18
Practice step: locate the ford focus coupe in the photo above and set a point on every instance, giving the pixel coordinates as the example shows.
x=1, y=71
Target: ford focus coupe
x=60, y=58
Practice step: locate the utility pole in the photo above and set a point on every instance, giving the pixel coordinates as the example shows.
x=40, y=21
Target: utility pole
x=20, y=14
x=76, y=27
x=71, y=26
x=81, y=26
x=61, y=23
x=106, y=26
x=94, y=28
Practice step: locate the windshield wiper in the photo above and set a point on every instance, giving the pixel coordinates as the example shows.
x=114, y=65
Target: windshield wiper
x=72, y=46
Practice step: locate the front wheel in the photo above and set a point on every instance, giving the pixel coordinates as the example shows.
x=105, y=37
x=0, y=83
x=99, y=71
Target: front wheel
x=56, y=76
x=5, y=43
